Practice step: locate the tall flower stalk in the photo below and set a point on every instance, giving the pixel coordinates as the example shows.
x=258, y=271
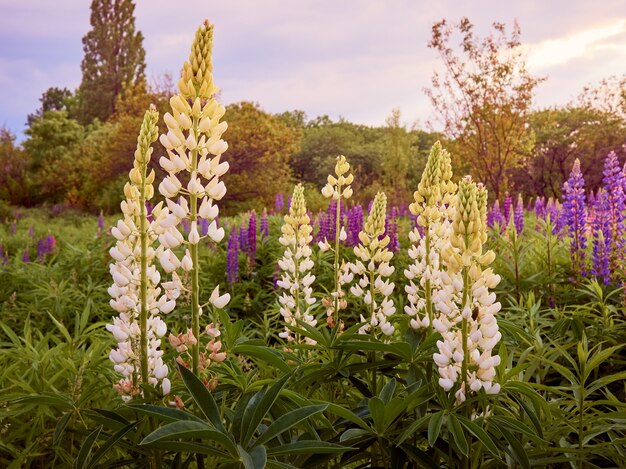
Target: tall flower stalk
x=194, y=149
x=434, y=208
x=372, y=267
x=337, y=188
x=135, y=292
x=574, y=216
x=296, y=264
x=467, y=321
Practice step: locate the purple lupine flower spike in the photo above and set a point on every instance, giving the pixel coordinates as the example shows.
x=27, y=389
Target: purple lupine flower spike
x=279, y=203
x=41, y=249
x=601, y=244
x=265, y=225
x=540, y=207
x=232, y=261
x=574, y=216
x=251, y=247
x=26, y=256
x=614, y=183
x=518, y=215
x=494, y=217
x=506, y=208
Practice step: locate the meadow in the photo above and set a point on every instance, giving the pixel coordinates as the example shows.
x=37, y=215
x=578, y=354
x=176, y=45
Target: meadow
x=453, y=331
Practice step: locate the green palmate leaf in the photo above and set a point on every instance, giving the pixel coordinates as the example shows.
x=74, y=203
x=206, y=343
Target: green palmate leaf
x=345, y=414
x=260, y=352
x=420, y=457
x=308, y=447
x=355, y=434
x=108, y=418
x=517, y=451
x=514, y=425
x=458, y=436
x=475, y=429
x=255, y=459
x=165, y=414
x=47, y=399
x=434, y=427
x=193, y=448
x=271, y=464
x=108, y=444
x=81, y=460
x=386, y=393
x=202, y=397
x=377, y=411
x=285, y=422
x=188, y=429
x=258, y=407
x=415, y=426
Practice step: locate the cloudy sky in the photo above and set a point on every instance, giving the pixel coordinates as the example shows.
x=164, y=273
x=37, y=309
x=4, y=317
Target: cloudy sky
x=357, y=59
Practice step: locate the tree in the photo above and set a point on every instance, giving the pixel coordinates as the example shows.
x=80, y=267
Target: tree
x=260, y=146
x=483, y=100
x=396, y=158
x=563, y=135
x=50, y=166
x=13, y=187
x=54, y=99
x=608, y=95
x=114, y=57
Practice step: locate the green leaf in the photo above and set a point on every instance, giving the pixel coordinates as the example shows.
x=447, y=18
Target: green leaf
x=191, y=447
x=263, y=353
x=165, y=414
x=255, y=459
x=108, y=444
x=189, y=429
x=355, y=434
x=202, y=397
x=308, y=447
x=516, y=449
x=415, y=426
x=455, y=429
x=386, y=393
x=258, y=407
x=377, y=410
x=47, y=399
x=81, y=460
x=60, y=428
x=476, y=430
x=345, y=414
x=285, y=422
x=434, y=427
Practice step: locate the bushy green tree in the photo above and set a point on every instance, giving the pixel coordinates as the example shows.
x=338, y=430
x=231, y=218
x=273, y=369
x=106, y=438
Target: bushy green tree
x=260, y=147
x=114, y=57
x=50, y=141
x=13, y=188
x=563, y=135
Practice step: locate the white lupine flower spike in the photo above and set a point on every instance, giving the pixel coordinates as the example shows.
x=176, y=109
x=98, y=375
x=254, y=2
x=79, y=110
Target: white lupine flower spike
x=194, y=146
x=135, y=293
x=296, y=302
x=337, y=188
x=371, y=267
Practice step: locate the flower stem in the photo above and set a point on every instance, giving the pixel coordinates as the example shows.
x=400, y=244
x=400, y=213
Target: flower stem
x=193, y=249
x=143, y=291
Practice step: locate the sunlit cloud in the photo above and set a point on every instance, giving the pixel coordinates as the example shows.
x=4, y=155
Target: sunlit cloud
x=553, y=52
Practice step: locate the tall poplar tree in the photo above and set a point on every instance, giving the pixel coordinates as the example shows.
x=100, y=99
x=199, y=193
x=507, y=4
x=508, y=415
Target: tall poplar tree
x=114, y=56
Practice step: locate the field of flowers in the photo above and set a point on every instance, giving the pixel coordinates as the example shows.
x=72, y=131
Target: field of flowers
x=451, y=332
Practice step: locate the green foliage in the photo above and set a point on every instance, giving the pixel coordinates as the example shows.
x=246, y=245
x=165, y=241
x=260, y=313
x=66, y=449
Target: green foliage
x=114, y=56
x=260, y=147
x=563, y=135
